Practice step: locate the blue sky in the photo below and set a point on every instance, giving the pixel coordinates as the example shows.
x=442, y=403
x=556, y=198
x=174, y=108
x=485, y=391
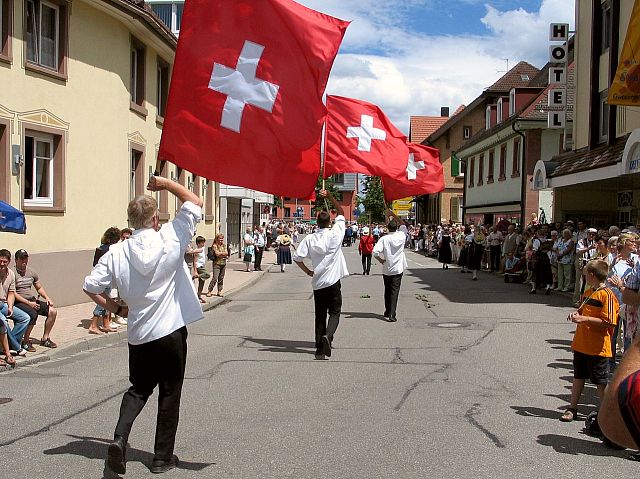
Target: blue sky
x=411, y=57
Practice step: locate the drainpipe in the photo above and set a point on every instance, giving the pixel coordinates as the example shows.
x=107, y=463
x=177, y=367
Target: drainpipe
x=523, y=175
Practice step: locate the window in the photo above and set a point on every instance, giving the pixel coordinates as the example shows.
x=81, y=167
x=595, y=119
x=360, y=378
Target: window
x=43, y=182
x=137, y=77
x=170, y=14
x=455, y=166
x=136, y=173
x=499, y=111
x=487, y=118
x=490, y=164
x=6, y=24
x=512, y=102
x=466, y=132
x=515, y=165
x=163, y=200
x=163, y=87
x=480, y=169
x=338, y=179
x=454, y=213
x=287, y=212
x=606, y=26
x=472, y=167
x=178, y=9
x=46, y=35
x=503, y=163
x=603, y=117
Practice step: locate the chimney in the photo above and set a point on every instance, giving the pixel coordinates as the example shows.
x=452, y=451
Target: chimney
x=444, y=111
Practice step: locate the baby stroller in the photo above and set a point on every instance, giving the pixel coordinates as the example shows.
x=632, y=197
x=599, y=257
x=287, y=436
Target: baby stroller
x=518, y=273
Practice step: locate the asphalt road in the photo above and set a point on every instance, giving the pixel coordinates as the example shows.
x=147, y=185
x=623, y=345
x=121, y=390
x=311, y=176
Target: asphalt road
x=469, y=382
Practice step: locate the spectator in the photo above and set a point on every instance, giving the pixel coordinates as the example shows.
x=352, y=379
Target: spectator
x=444, y=249
x=201, y=265
x=580, y=239
x=4, y=342
x=542, y=276
x=495, y=248
x=220, y=253
x=553, y=258
x=596, y=318
x=259, y=243
x=125, y=234
x=248, y=249
x=7, y=311
x=27, y=278
x=100, y=315
x=564, y=250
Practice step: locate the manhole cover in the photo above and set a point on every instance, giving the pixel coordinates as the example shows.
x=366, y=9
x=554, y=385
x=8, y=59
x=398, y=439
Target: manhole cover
x=449, y=325
x=5, y=400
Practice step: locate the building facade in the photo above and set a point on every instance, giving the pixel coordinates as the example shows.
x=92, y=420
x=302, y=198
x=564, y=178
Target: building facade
x=81, y=112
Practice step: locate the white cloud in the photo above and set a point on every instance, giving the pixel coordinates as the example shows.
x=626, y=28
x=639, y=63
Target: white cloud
x=411, y=73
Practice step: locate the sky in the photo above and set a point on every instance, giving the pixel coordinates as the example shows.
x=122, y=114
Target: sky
x=410, y=57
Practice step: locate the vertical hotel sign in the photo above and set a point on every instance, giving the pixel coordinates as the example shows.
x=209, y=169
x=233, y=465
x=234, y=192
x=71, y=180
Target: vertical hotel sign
x=558, y=53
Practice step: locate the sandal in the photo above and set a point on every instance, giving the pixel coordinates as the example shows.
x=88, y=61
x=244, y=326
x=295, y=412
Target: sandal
x=48, y=344
x=569, y=415
x=209, y=294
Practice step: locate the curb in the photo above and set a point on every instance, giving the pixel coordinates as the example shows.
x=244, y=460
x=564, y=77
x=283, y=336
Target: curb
x=98, y=342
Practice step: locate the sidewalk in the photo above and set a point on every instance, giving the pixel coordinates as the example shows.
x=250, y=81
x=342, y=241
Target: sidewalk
x=71, y=329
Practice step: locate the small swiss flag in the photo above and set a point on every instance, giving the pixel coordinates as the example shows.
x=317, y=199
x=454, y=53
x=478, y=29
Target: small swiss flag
x=423, y=174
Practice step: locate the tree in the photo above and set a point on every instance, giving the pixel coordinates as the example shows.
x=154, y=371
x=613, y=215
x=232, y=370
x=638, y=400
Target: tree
x=373, y=199
x=320, y=203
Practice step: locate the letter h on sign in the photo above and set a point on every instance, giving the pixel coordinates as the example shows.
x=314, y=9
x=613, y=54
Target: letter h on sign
x=558, y=32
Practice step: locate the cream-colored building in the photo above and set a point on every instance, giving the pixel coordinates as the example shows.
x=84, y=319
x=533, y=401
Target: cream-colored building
x=599, y=179
x=83, y=90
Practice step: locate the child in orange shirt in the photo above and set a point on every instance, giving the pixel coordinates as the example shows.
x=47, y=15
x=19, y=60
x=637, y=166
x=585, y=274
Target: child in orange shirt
x=596, y=319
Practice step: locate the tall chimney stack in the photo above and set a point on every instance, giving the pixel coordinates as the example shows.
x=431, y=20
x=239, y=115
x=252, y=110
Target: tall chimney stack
x=444, y=111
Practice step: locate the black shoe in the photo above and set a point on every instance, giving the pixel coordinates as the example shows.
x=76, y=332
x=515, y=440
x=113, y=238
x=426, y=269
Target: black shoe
x=393, y=319
x=116, y=456
x=547, y=291
x=326, y=345
x=320, y=357
x=159, y=466
x=533, y=291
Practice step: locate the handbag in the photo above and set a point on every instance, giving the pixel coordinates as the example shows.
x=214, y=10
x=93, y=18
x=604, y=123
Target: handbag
x=211, y=255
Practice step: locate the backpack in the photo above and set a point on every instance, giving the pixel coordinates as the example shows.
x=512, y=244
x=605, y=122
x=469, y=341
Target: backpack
x=211, y=255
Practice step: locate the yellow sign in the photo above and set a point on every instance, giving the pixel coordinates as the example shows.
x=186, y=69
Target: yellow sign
x=625, y=88
x=402, y=206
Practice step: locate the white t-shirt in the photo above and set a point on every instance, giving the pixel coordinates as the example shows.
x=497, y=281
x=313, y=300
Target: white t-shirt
x=324, y=248
x=152, y=277
x=201, y=258
x=391, y=248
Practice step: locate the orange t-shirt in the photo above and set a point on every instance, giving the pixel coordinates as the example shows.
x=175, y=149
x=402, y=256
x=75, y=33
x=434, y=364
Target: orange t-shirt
x=591, y=339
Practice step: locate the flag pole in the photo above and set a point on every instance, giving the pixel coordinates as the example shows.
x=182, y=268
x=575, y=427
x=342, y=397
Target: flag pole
x=323, y=152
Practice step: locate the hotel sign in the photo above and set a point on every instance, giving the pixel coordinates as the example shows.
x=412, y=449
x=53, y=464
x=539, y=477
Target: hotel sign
x=558, y=53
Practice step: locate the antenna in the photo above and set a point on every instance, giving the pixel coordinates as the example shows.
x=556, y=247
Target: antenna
x=504, y=71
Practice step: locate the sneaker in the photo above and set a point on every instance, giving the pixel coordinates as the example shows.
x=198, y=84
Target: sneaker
x=22, y=353
x=48, y=343
x=29, y=347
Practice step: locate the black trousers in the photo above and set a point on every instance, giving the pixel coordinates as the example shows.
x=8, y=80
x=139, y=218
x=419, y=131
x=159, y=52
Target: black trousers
x=158, y=363
x=327, y=300
x=366, y=263
x=391, y=291
x=495, y=252
x=258, y=257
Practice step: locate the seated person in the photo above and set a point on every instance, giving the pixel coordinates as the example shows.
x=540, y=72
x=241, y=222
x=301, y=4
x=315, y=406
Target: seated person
x=26, y=279
x=514, y=267
x=7, y=311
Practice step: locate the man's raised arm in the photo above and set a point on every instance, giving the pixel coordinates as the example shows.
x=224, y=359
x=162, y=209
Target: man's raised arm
x=184, y=194
x=337, y=206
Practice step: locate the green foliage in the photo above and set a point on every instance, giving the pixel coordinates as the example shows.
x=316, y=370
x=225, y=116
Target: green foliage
x=320, y=203
x=373, y=200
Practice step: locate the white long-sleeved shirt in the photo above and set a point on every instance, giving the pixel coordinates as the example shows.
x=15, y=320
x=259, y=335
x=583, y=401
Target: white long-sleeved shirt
x=324, y=248
x=391, y=248
x=152, y=277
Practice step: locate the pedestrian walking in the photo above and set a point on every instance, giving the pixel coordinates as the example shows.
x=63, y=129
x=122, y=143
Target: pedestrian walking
x=389, y=250
x=444, y=249
x=152, y=278
x=323, y=248
x=365, y=249
x=259, y=243
x=283, y=251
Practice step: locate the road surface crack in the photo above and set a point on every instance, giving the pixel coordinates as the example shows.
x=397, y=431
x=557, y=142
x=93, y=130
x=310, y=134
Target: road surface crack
x=470, y=417
x=437, y=375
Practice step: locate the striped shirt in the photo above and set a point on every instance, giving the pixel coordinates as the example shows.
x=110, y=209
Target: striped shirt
x=595, y=340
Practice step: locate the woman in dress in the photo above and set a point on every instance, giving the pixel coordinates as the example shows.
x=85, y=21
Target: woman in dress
x=284, y=250
x=444, y=249
x=220, y=255
x=476, y=242
x=464, y=249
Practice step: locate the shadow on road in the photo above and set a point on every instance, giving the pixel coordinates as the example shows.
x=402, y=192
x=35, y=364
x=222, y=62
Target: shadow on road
x=531, y=411
x=362, y=315
x=281, y=345
x=575, y=446
x=96, y=448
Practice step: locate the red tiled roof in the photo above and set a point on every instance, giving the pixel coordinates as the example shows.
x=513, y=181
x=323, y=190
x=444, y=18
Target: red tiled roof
x=422, y=126
x=460, y=108
x=604, y=155
x=518, y=76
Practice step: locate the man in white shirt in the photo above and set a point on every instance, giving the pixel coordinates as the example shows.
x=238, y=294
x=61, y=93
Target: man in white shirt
x=323, y=248
x=152, y=278
x=259, y=243
x=389, y=251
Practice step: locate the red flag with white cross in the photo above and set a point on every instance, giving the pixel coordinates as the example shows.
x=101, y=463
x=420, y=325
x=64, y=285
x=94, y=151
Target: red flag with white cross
x=361, y=139
x=423, y=174
x=245, y=105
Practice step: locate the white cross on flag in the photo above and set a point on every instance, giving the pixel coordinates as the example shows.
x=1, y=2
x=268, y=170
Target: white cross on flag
x=245, y=105
x=361, y=139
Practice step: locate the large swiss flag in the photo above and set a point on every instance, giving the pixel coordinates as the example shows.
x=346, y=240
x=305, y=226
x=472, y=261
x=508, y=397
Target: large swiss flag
x=423, y=174
x=245, y=106
x=361, y=139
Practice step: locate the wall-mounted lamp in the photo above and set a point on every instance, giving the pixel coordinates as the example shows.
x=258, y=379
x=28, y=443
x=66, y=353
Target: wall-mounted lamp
x=18, y=159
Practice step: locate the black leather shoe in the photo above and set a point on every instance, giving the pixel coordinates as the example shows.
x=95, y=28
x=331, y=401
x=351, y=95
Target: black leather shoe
x=158, y=466
x=326, y=345
x=116, y=458
x=393, y=319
